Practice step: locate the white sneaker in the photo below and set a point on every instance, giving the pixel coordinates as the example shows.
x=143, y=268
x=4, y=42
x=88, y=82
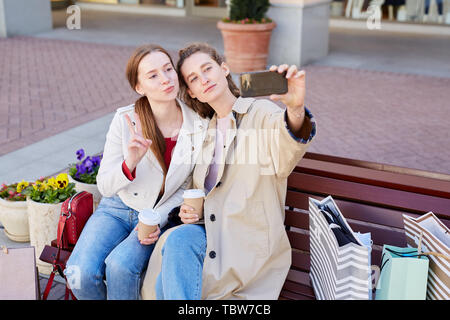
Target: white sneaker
x=425, y=18
x=440, y=19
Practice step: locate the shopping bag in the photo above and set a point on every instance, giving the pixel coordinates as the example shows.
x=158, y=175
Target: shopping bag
x=18, y=274
x=430, y=236
x=339, y=260
x=366, y=240
x=403, y=274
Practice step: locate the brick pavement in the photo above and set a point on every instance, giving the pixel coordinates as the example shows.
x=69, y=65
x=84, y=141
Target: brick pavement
x=384, y=117
x=57, y=291
x=48, y=86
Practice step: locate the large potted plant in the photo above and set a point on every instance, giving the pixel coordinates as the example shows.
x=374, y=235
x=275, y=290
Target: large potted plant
x=84, y=175
x=44, y=199
x=13, y=211
x=246, y=35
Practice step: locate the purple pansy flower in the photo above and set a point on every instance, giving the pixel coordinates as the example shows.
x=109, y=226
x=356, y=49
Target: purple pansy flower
x=88, y=164
x=81, y=169
x=80, y=154
x=96, y=161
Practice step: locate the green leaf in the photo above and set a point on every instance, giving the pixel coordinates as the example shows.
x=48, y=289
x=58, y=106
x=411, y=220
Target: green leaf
x=251, y=9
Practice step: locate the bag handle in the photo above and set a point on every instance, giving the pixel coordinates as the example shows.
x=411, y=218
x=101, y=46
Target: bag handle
x=429, y=253
x=400, y=254
x=69, y=206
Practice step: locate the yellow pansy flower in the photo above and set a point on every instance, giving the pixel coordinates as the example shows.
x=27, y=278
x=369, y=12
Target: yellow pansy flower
x=22, y=185
x=44, y=186
x=62, y=180
x=52, y=183
x=38, y=185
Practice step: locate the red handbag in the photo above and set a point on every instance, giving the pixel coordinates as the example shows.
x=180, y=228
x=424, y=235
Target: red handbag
x=75, y=212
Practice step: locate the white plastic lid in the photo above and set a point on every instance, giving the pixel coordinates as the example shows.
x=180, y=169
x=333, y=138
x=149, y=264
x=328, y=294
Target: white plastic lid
x=149, y=217
x=193, y=194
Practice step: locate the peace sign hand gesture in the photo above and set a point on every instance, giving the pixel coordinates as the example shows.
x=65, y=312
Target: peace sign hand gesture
x=138, y=145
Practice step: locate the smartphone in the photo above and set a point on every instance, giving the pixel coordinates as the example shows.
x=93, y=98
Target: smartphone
x=263, y=83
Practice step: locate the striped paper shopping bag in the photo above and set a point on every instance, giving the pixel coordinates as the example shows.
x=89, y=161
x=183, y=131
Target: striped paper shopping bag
x=431, y=237
x=339, y=262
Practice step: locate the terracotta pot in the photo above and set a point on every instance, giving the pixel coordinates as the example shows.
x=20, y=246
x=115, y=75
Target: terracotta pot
x=92, y=188
x=246, y=45
x=43, y=220
x=14, y=217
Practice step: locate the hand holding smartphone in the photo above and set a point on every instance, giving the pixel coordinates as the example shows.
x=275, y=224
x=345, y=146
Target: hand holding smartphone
x=263, y=83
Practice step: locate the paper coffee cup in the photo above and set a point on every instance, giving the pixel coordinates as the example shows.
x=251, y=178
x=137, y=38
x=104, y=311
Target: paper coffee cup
x=195, y=199
x=148, y=223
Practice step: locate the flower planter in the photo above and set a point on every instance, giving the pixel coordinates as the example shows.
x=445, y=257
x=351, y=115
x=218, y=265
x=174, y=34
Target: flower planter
x=92, y=188
x=246, y=45
x=14, y=217
x=43, y=221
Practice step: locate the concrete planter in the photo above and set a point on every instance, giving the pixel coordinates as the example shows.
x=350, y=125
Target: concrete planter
x=14, y=217
x=92, y=188
x=246, y=45
x=24, y=17
x=302, y=32
x=43, y=220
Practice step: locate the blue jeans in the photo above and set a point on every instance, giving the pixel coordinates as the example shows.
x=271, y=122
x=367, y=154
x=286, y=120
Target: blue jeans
x=108, y=246
x=182, y=264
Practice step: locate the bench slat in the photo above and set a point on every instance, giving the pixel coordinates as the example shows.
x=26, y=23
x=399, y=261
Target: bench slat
x=299, y=289
x=351, y=210
x=299, y=277
x=380, y=235
x=392, y=180
x=298, y=240
x=288, y=295
x=301, y=260
x=400, y=200
x=296, y=219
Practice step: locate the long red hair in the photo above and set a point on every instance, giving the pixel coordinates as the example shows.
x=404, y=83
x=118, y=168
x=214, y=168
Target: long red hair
x=142, y=106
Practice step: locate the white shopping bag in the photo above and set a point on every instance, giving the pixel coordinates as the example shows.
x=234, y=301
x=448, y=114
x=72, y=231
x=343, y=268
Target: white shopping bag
x=338, y=271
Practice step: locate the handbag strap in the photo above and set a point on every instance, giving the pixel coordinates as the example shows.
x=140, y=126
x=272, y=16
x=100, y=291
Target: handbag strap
x=61, y=240
x=49, y=285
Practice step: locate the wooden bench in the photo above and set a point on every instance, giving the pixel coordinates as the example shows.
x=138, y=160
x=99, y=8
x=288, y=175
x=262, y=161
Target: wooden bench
x=371, y=196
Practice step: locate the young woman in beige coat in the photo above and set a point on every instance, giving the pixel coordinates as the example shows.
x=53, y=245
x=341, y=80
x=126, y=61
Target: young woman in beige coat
x=241, y=251
x=148, y=158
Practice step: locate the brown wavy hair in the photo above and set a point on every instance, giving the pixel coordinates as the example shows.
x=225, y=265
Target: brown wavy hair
x=202, y=108
x=142, y=106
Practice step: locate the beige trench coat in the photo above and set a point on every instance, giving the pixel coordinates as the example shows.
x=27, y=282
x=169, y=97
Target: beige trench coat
x=248, y=254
